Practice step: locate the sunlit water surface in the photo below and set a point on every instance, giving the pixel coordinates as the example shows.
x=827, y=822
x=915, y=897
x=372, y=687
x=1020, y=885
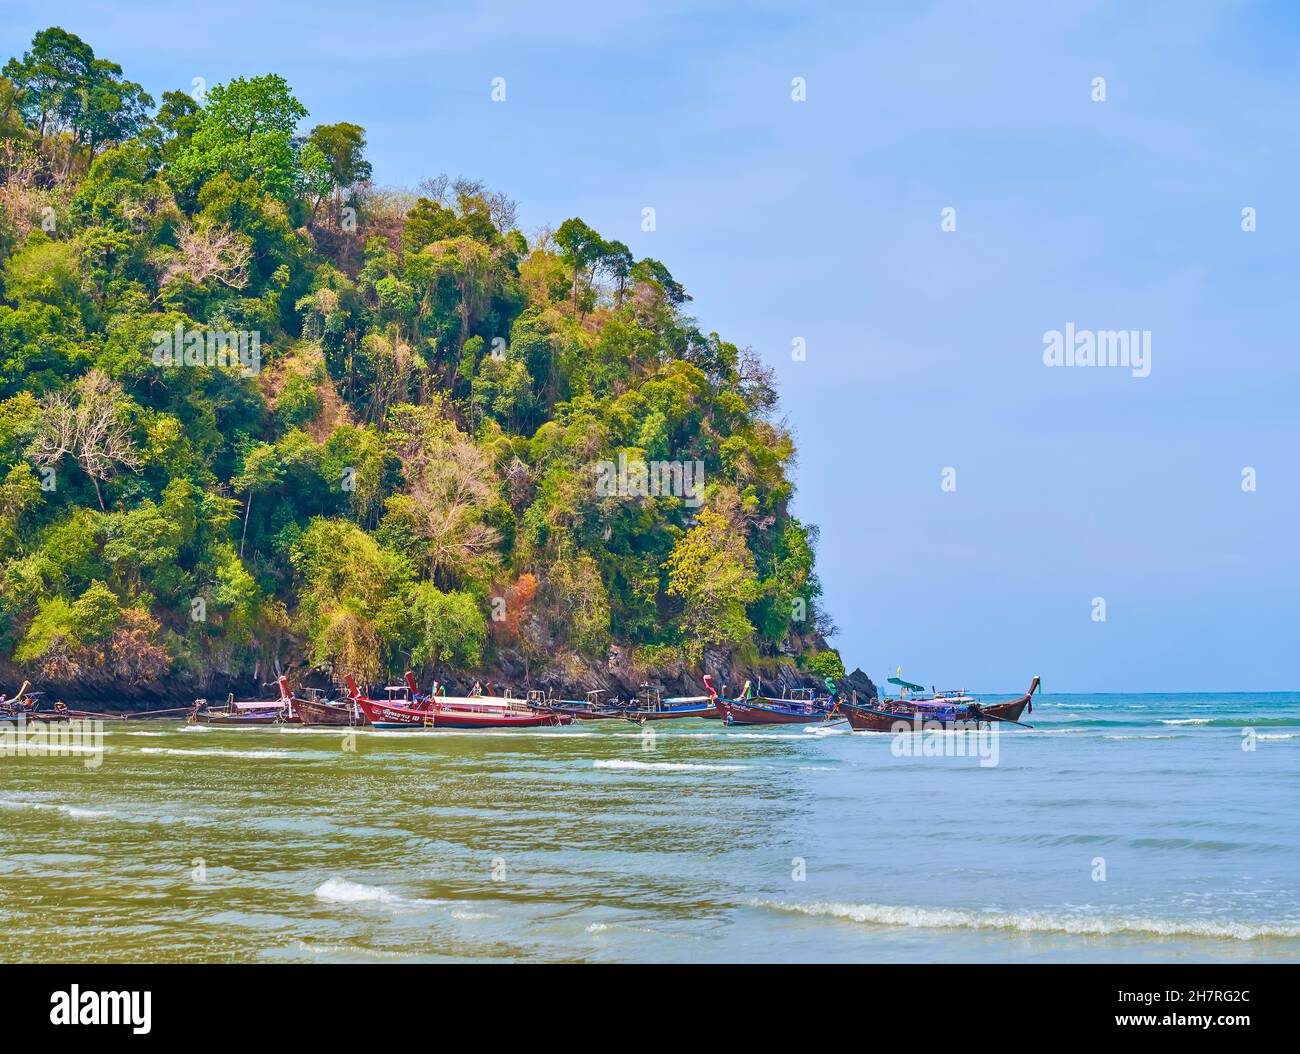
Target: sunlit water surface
x=1123, y=827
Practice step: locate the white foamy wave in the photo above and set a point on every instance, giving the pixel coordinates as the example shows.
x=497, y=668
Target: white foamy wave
x=665, y=766
x=341, y=891
x=146, y=733
x=82, y=814
x=1277, y=735
x=1151, y=736
x=73, y=811
x=1185, y=721
x=1077, y=925
x=216, y=752
x=708, y=735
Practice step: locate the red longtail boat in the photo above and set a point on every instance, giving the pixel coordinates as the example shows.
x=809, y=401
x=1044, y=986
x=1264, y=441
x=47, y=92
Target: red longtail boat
x=943, y=710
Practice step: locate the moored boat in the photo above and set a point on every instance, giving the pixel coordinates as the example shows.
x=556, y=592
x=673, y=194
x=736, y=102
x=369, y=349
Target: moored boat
x=800, y=707
x=590, y=709
x=244, y=711
x=412, y=710
x=236, y=712
x=652, y=706
x=313, y=707
x=942, y=710
x=26, y=706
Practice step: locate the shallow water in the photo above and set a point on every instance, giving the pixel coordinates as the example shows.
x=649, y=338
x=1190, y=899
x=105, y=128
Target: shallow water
x=1124, y=827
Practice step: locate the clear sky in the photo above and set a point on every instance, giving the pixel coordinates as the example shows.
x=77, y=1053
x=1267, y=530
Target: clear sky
x=822, y=220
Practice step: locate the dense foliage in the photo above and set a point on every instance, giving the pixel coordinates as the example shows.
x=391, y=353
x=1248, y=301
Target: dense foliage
x=408, y=474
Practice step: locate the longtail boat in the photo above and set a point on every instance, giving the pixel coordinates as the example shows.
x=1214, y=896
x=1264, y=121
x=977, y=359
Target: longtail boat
x=411, y=710
x=244, y=711
x=591, y=709
x=941, y=710
x=313, y=707
x=652, y=706
x=800, y=707
x=26, y=706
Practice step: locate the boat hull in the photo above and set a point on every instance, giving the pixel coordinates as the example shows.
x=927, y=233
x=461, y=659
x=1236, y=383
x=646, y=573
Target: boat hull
x=585, y=713
x=312, y=712
x=769, y=712
x=669, y=713
x=386, y=716
x=868, y=720
x=236, y=719
x=34, y=715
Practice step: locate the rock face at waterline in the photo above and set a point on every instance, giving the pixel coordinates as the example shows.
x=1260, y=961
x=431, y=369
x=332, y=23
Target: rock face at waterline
x=258, y=414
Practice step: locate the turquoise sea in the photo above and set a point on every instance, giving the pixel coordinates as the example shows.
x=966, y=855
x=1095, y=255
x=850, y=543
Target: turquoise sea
x=1122, y=828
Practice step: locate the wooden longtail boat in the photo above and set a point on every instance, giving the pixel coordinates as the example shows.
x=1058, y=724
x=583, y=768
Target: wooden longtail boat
x=311, y=706
x=943, y=710
x=651, y=706
x=463, y=712
x=244, y=711
x=802, y=707
x=591, y=709
x=26, y=706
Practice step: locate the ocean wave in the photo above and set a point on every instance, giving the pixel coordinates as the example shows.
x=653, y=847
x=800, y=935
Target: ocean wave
x=216, y=752
x=344, y=891
x=665, y=766
x=74, y=812
x=1151, y=735
x=1074, y=925
x=1278, y=735
x=708, y=735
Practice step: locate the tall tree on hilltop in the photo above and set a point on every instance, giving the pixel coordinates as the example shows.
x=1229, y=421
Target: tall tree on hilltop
x=245, y=129
x=343, y=147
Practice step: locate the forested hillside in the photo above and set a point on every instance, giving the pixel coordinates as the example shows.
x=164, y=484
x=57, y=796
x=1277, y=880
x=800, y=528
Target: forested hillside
x=404, y=469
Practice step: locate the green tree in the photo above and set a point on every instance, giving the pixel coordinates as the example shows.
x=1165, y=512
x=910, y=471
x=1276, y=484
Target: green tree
x=447, y=629
x=353, y=599
x=343, y=147
x=712, y=572
x=245, y=129
x=261, y=470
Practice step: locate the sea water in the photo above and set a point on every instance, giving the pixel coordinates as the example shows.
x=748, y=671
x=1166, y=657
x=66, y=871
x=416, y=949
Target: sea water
x=1121, y=828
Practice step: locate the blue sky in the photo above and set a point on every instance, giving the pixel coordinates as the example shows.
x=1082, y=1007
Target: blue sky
x=821, y=220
